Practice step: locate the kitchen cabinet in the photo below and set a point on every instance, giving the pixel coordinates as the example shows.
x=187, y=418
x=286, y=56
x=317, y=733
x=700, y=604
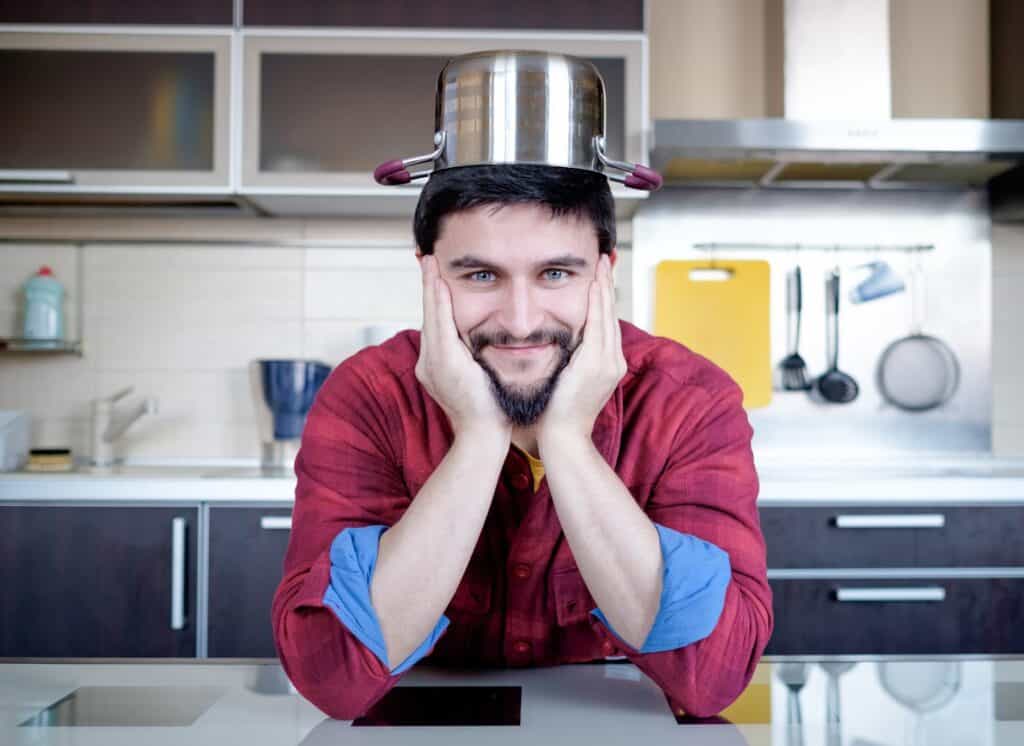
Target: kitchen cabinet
x=322, y=111
x=726, y=60
x=135, y=12
x=823, y=537
x=720, y=60
x=910, y=616
x=247, y=548
x=580, y=15
x=920, y=580
x=91, y=581
x=115, y=112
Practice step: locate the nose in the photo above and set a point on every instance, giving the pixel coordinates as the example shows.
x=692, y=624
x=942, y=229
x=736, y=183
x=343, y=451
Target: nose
x=520, y=314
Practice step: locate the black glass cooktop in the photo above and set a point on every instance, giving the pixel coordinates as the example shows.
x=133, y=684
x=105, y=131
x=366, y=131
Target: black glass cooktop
x=446, y=705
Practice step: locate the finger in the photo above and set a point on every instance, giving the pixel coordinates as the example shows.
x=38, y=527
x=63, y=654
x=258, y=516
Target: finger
x=620, y=355
x=607, y=310
x=590, y=326
x=430, y=315
x=612, y=310
x=446, y=311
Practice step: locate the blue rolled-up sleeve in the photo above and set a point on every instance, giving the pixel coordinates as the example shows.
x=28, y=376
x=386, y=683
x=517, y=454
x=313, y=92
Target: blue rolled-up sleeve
x=696, y=575
x=353, y=557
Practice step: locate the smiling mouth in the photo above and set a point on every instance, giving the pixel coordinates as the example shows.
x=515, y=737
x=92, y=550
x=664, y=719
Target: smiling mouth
x=522, y=350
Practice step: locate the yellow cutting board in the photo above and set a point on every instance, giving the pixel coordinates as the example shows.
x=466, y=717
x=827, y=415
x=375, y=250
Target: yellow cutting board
x=725, y=320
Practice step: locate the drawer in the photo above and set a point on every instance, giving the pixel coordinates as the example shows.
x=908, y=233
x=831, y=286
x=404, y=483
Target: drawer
x=893, y=537
x=913, y=617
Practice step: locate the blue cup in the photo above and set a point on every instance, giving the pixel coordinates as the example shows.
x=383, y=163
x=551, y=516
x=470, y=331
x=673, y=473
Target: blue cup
x=289, y=388
x=881, y=282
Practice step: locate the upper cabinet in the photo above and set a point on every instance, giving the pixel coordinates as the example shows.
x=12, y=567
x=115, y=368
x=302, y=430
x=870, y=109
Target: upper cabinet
x=564, y=15
x=114, y=112
x=321, y=111
x=288, y=112
x=134, y=12
x=729, y=59
x=720, y=60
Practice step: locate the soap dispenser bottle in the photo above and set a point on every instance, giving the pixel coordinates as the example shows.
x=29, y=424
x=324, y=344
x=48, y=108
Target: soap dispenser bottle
x=44, y=306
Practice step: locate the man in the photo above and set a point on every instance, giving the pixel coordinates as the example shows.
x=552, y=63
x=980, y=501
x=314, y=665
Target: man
x=528, y=481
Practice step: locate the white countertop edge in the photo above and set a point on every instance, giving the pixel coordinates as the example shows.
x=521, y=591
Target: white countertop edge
x=36, y=487
x=794, y=491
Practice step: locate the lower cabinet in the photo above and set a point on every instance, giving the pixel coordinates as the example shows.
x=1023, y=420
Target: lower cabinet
x=97, y=581
x=895, y=579
x=935, y=616
x=247, y=548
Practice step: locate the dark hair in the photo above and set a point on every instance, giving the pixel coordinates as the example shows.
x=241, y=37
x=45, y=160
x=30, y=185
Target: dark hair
x=566, y=191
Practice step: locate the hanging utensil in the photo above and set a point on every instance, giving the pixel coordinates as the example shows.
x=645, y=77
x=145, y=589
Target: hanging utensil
x=793, y=368
x=833, y=385
x=918, y=372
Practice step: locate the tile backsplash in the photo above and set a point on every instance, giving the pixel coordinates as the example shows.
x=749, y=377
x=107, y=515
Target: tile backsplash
x=955, y=283
x=182, y=321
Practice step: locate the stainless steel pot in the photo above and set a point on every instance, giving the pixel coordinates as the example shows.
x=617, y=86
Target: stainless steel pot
x=510, y=106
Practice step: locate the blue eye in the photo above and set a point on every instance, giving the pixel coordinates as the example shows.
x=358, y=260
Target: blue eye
x=474, y=275
x=562, y=271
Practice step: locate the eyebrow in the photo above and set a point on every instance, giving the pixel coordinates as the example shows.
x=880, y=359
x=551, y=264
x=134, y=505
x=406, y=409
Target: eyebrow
x=469, y=261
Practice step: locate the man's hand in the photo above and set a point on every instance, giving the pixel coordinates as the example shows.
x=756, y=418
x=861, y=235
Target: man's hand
x=446, y=367
x=593, y=372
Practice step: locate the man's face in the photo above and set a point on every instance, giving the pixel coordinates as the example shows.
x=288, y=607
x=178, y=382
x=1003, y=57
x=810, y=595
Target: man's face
x=519, y=280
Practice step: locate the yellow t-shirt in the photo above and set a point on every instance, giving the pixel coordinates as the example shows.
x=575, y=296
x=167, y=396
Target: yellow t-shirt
x=536, y=466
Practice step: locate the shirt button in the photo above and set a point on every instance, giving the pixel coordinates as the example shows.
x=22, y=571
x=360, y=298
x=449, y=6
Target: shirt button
x=521, y=571
x=521, y=481
x=521, y=647
x=607, y=647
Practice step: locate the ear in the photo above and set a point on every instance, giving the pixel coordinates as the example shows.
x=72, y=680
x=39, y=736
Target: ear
x=613, y=256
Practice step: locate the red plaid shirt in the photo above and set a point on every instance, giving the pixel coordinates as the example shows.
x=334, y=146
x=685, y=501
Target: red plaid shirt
x=677, y=436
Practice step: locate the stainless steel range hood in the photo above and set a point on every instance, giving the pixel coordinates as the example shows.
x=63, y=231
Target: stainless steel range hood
x=838, y=131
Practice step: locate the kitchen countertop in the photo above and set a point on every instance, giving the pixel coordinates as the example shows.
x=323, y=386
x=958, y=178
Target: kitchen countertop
x=803, y=478
x=157, y=703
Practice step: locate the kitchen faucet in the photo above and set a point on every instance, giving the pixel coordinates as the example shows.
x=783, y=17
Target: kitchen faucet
x=108, y=425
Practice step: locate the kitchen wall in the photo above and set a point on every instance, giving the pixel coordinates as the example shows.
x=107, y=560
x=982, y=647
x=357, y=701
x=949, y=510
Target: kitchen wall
x=1008, y=338
x=958, y=308
x=181, y=321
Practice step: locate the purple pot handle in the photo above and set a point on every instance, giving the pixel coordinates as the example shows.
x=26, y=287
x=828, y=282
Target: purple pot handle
x=637, y=183
x=649, y=175
x=391, y=172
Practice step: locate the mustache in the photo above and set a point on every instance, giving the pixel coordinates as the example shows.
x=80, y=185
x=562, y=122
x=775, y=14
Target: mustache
x=479, y=340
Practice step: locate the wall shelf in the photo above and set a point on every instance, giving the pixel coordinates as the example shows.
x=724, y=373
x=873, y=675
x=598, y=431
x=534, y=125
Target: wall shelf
x=19, y=346
x=22, y=347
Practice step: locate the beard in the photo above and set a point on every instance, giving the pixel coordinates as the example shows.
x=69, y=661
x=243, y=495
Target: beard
x=524, y=405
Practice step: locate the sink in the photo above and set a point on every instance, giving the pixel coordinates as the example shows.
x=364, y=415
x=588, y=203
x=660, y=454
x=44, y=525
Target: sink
x=131, y=706
x=250, y=472
x=136, y=470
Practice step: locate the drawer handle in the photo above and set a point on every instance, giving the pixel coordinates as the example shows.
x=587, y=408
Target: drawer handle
x=910, y=520
x=177, y=573
x=9, y=176
x=275, y=522
x=926, y=593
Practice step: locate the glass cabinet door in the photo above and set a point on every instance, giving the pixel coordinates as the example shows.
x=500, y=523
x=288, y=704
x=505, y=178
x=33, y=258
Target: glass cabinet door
x=117, y=110
x=322, y=112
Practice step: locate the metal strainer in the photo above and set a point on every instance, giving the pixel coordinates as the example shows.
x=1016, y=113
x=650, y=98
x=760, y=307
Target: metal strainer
x=918, y=372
